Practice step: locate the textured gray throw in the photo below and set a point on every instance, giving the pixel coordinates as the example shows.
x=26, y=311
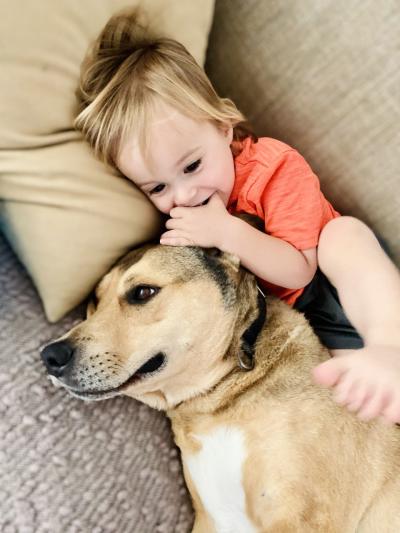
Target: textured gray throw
x=67, y=466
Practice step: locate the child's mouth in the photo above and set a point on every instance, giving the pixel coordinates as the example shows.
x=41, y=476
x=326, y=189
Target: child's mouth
x=205, y=202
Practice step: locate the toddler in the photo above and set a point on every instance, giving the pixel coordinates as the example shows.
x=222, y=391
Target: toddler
x=150, y=111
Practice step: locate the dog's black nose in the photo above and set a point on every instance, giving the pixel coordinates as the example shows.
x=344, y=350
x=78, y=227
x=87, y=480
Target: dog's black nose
x=57, y=356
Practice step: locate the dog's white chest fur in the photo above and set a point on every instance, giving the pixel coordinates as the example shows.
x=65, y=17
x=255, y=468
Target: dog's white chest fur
x=216, y=471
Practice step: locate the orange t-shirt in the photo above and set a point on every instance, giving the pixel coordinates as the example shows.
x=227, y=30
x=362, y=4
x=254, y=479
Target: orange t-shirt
x=275, y=183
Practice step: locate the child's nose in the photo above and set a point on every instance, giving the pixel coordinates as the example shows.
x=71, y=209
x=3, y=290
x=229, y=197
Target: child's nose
x=185, y=196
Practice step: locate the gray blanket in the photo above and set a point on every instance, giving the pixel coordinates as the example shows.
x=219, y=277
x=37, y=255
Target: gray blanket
x=67, y=466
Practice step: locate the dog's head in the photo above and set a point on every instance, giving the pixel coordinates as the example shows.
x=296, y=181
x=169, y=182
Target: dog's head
x=161, y=327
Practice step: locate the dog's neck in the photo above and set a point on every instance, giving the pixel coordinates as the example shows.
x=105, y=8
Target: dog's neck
x=249, y=337
x=277, y=337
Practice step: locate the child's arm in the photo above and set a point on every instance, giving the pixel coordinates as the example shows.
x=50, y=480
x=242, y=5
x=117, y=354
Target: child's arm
x=269, y=258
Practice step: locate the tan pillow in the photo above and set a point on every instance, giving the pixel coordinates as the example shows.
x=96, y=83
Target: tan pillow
x=66, y=215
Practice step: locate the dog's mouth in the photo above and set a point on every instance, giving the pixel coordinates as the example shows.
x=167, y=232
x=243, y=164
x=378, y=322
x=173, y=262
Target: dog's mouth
x=150, y=367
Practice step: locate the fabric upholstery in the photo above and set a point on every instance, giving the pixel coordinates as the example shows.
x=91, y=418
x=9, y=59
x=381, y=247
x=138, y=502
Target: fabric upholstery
x=323, y=77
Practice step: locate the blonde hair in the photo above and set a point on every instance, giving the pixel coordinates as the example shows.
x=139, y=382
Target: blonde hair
x=126, y=71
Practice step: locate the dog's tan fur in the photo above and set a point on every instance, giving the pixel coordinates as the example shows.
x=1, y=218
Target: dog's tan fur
x=325, y=470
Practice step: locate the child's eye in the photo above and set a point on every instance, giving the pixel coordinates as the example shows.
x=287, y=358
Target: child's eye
x=157, y=189
x=192, y=167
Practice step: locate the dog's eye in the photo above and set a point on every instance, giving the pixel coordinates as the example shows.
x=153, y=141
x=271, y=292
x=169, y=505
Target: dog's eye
x=141, y=294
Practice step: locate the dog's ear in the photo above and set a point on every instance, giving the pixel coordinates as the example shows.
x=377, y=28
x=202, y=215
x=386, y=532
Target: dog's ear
x=231, y=259
x=90, y=309
x=92, y=304
x=251, y=313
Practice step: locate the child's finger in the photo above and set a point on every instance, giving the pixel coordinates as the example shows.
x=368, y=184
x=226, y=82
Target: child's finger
x=172, y=233
x=173, y=223
x=175, y=238
x=176, y=241
x=177, y=212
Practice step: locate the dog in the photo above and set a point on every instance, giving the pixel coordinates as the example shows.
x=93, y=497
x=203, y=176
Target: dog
x=264, y=449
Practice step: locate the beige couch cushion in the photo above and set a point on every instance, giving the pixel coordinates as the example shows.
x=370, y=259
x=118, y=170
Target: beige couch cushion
x=66, y=215
x=323, y=77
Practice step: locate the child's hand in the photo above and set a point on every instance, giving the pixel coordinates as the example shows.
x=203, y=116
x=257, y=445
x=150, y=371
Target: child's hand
x=204, y=225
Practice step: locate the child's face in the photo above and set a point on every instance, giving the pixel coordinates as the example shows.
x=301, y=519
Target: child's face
x=187, y=161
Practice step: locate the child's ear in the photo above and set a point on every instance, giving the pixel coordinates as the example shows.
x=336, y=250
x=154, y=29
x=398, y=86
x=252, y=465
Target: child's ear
x=229, y=133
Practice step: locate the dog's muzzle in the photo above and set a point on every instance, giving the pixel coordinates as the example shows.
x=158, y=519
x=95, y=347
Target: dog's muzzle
x=59, y=359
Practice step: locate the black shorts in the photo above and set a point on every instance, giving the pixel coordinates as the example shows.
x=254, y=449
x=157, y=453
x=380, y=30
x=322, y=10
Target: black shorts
x=321, y=305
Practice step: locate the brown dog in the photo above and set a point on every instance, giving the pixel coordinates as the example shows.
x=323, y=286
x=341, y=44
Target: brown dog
x=264, y=449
